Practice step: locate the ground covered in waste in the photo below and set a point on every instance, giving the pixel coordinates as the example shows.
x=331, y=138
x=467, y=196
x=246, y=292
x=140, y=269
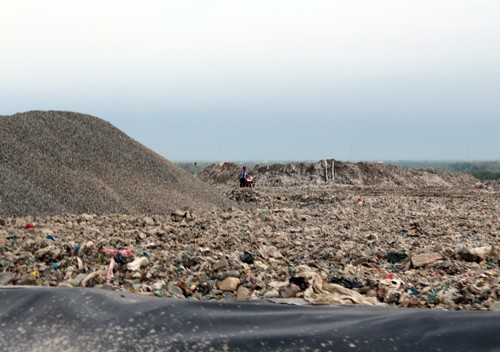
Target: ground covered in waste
x=431, y=248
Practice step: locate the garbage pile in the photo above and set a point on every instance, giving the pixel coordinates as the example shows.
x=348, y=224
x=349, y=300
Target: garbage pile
x=330, y=171
x=324, y=245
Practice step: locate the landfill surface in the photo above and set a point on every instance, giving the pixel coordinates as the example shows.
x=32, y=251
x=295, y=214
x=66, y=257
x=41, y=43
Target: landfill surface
x=414, y=250
x=52, y=319
x=323, y=245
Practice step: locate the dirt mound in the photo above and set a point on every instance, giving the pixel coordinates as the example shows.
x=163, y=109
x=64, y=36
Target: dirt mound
x=54, y=162
x=337, y=172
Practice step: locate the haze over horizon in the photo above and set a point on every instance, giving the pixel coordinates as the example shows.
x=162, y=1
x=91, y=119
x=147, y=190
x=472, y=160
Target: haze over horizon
x=265, y=80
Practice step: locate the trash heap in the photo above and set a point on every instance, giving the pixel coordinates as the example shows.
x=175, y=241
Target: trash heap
x=335, y=172
x=323, y=245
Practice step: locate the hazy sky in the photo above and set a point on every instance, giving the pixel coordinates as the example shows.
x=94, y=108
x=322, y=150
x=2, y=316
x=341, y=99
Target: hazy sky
x=266, y=80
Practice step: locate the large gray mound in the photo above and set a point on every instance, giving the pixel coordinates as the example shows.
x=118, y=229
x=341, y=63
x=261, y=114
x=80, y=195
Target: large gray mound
x=54, y=162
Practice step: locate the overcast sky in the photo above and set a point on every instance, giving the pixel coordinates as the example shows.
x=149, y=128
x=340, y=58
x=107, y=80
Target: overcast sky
x=265, y=80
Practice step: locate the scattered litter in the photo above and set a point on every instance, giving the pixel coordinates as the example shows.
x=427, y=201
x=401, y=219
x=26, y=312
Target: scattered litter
x=422, y=257
x=247, y=258
x=395, y=257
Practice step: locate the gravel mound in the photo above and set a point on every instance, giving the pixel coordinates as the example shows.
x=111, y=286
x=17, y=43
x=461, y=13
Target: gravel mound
x=337, y=172
x=54, y=162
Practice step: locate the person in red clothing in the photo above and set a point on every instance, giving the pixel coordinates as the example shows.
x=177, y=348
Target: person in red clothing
x=249, y=182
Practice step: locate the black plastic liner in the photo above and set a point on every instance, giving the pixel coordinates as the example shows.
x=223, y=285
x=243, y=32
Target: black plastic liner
x=60, y=319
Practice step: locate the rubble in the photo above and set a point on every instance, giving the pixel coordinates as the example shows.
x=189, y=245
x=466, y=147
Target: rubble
x=419, y=260
x=436, y=250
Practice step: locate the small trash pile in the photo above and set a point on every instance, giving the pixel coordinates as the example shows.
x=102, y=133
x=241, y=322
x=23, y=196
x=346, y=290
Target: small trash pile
x=245, y=195
x=436, y=252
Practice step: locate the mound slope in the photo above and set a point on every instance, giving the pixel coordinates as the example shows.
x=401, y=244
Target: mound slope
x=337, y=172
x=54, y=162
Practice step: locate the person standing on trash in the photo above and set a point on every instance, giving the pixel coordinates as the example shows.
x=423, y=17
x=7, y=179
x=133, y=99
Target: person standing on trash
x=243, y=176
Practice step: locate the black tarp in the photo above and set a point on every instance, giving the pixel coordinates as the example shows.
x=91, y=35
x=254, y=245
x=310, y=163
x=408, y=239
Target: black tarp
x=60, y=319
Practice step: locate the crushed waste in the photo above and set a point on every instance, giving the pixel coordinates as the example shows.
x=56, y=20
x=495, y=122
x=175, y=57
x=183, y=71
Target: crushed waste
x=437, y=251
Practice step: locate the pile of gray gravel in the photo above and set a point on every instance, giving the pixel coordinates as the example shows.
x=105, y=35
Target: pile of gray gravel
x=54, y=162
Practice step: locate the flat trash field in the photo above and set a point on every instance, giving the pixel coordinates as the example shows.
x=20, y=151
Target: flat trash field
x=426, y=248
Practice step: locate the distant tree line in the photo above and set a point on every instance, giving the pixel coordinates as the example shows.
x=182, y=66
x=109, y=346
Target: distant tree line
x=483, y=170
x=485, y=175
